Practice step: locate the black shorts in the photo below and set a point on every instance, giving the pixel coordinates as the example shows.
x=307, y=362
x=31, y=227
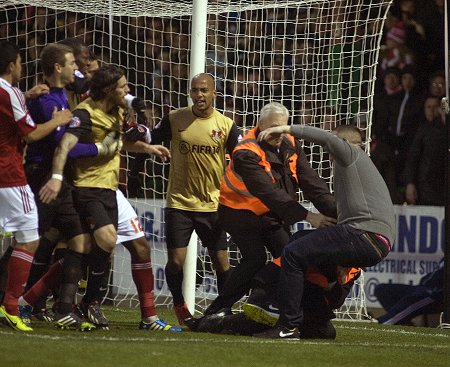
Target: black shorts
x=181, y=223
x=60, y=213
x=97, y=207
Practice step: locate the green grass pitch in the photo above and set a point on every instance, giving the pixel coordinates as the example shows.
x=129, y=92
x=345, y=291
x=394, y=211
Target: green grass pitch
x=357, y=344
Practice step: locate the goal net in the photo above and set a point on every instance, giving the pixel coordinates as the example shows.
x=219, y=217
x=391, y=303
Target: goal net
x=317, y=57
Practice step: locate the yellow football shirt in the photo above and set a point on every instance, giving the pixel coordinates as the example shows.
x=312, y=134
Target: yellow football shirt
x=198, y=159
x=99, y=171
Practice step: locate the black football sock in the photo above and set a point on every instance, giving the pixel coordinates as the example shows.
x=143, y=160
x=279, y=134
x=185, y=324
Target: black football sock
x=70, y=278
x=174, y=282
x=57, y=255
x=103, y=290
x=41, y=261
x=98, y=265
x=222, y=279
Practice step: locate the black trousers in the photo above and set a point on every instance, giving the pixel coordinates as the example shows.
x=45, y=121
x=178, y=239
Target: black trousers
x=252, y=234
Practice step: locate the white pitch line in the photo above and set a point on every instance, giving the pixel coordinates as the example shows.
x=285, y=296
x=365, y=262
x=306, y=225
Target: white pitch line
x=239, y=340
x=394, y=331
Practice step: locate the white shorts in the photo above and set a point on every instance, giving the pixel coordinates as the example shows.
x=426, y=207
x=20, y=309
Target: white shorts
x=128, y=228
x=18, y=213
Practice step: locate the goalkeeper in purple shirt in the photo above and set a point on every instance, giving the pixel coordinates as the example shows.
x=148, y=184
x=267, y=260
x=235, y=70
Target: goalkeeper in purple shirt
x=58, y=65
x=362, y=236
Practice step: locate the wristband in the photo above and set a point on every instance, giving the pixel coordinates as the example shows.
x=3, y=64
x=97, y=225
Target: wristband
x=57, y=176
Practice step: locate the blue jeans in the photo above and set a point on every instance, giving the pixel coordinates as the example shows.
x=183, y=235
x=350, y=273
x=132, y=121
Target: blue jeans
x=339, y=245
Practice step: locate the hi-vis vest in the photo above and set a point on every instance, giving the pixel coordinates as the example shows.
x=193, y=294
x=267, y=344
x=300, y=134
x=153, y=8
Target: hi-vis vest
x=314, y=276
x=234, y=193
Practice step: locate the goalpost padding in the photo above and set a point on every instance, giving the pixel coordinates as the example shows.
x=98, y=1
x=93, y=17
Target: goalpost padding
x=317, y=57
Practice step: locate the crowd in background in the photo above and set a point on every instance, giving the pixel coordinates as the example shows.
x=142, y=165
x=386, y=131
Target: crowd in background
x=408, y=139
x=408, y=132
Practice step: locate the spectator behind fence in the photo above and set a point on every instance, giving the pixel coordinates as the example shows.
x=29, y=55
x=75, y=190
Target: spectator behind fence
x=382, y=153
x=424, y=172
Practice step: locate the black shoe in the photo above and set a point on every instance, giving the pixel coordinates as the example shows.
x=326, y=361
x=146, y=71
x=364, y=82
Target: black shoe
x=261, y=308
x=71, y=321
x=262, y=313
x=42, y=314
x=224, y=311
x=324, y=330
x=211, y=323
x=279, y=332
x=214, y=310
x=94, y=314
x=192, y=323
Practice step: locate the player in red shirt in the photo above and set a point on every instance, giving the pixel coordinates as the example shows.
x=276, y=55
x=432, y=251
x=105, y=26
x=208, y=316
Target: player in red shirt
x=18, y=213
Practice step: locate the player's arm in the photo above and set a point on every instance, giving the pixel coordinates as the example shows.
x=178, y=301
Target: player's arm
x=137, y=139
x=142, y=147
x=134, y=132
x=162, y=131
x=80, y=150
x=51, y=189
x=59, y=118
x=138, y=105
x=29, y=131
x=36, y=91
x=108, y=147
x=80, y=125
x=233, y=138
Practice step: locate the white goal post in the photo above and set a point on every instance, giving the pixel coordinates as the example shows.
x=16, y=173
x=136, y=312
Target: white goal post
x=317, y=57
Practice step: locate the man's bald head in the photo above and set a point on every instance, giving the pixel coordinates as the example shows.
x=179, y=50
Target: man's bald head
x=204, y=77
x=203, y=94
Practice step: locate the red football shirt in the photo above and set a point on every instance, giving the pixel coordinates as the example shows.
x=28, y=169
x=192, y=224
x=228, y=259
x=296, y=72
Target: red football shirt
x=15, y=123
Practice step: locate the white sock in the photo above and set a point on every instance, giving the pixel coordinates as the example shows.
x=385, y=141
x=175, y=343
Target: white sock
x=150, y=319
x=22, y=302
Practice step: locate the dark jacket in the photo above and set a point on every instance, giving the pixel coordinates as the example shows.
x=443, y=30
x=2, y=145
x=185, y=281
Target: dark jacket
x=281, y=196
x=425, y=165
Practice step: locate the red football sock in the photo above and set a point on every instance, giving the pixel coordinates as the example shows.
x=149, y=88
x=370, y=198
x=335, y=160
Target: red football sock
x=50, y=280
x=143, y=278
x=18, y=269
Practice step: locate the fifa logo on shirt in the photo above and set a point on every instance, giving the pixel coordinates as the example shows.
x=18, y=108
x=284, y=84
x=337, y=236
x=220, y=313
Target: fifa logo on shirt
x=216, y=134
x=186, y=148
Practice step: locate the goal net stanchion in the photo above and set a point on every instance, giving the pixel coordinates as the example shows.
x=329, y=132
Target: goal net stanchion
x=197, y=65
x=445, y=316
x=317, y=57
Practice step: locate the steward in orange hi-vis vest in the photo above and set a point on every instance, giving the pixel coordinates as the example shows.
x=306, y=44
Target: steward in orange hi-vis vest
x=315, y=276
x=234, y=193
